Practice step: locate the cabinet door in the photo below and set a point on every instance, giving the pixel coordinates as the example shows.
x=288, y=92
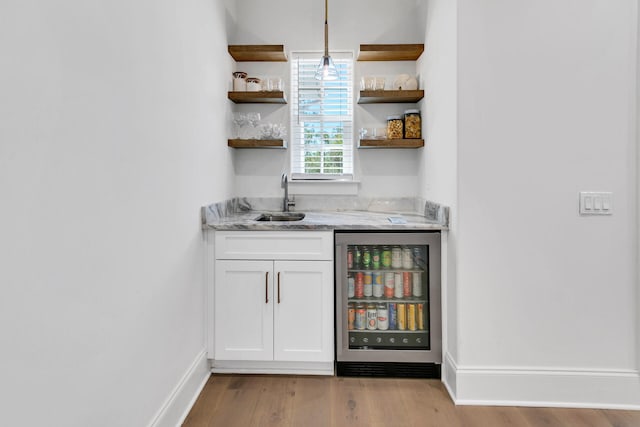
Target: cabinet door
x=303, y=318
x=243, y=328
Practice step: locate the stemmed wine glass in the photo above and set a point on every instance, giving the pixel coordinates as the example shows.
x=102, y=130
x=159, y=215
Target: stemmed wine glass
x=245, y=124
x=239, y=121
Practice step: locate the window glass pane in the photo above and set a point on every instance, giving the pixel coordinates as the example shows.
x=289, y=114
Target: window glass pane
x=321, y=118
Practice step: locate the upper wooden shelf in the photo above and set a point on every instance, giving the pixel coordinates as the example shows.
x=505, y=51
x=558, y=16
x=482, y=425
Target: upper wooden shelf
x=256, y=143
x=258, y=53
x=389, y=96
x=276, y=97
x=390, y=52
x=391, y=143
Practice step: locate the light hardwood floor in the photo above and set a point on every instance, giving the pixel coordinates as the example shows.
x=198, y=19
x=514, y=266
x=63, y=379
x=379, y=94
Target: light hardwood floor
x=275, y=400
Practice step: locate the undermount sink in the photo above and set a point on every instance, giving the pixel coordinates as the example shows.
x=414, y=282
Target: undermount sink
x=281, y=216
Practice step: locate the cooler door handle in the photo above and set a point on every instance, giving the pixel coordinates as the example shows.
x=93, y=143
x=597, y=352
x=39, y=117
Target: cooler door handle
x=278, y=287
x=266, y=288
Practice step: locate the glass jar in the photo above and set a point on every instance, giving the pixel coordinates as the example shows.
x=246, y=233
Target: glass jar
x=239, y=81
x=412, y=124
x=395, y=127
x=254, y=84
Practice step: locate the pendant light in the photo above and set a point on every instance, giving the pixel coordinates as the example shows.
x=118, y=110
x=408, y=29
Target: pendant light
x=326, y=69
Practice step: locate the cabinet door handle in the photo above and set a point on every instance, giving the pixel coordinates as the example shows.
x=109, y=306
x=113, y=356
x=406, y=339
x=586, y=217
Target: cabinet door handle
x=266, y=288
x=278, y=287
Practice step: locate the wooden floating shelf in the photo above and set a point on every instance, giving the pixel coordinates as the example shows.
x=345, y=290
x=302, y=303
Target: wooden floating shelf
x=276, y=97
x=389, y=96
x=390, y=52
x=256, y=143
x=391, y=143
x=258, y=53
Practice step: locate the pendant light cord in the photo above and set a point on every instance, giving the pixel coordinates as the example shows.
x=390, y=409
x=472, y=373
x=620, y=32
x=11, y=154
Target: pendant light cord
x=326, y=27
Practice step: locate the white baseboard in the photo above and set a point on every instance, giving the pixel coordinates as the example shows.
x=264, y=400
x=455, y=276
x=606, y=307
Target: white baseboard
x=272, y=367
x=177, y=406
x=449, y=375
x=550, y=387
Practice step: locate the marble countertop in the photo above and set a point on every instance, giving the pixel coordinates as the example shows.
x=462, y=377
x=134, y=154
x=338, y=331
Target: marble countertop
x=241, y=214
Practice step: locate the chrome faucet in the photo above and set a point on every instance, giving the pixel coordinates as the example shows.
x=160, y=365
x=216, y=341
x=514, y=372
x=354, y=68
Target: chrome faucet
x=286, y=202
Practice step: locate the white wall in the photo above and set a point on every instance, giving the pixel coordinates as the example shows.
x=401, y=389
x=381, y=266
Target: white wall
x=299, y=25
x=637, y=181
x=547, y=305
x=437, y=173
x=110, y=140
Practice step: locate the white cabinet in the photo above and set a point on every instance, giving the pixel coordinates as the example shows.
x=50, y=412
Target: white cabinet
x=273, y=302
x=243, y=315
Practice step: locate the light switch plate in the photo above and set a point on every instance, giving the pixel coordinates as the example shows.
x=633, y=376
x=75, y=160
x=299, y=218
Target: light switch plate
x=596, y=203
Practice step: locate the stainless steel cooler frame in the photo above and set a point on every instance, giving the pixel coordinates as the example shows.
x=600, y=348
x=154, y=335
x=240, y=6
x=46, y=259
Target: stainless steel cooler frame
x=431, y=356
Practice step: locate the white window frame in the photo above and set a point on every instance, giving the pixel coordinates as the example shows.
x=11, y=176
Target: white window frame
x=297, y=129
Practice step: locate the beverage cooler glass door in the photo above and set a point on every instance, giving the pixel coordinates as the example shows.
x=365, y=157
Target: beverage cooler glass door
x=388, y=297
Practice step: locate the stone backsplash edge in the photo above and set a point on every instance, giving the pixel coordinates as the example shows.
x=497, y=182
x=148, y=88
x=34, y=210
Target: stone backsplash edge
x=430, y=210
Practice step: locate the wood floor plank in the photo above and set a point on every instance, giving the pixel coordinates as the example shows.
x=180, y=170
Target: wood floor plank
x=622, y=418
x=582, y=417
x=435, y=407
x=445, y=411
x=490, y=416
x=541, y=417
x=238, y=403
x=310, y=401
x=387, y=407
x=274, y=405
x=351, y=407
x=209, y=398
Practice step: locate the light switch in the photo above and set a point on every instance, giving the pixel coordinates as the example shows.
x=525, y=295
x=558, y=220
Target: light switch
x=588, y=203
x=595, y=203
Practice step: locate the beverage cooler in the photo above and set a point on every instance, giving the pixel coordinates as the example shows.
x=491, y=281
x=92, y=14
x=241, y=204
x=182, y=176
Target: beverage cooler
x=388, y=316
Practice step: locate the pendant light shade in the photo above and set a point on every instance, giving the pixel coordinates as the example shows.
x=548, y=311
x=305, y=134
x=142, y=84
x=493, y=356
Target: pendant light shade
x=326, y=69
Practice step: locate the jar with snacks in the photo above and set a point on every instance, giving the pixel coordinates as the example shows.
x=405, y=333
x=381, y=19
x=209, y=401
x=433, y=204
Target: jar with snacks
x=395, y=128
x=412, y=124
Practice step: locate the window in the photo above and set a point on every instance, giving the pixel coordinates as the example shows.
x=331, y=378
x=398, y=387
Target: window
x=321, y=119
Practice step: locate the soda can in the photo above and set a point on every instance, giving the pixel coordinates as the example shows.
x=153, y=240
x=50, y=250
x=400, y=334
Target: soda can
x=393, y=315
x=396, y=257
x=351, y=288
x=368, y=284
x=349, y=258
x=385, y=257
x=378, y=285
x=397, y=285
x=383, y=317
x=389, y=285
x=351, y=315
x=421, y=317
x=357, y=257
x=401, y=319
x=417, y=284
x=361, y=316
x=372, y=317
x=411, y=317
x=375, y=258
x=366, y=257
x=418, y=258
x=407, y=258
x=358, y=288
x=406, y=284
